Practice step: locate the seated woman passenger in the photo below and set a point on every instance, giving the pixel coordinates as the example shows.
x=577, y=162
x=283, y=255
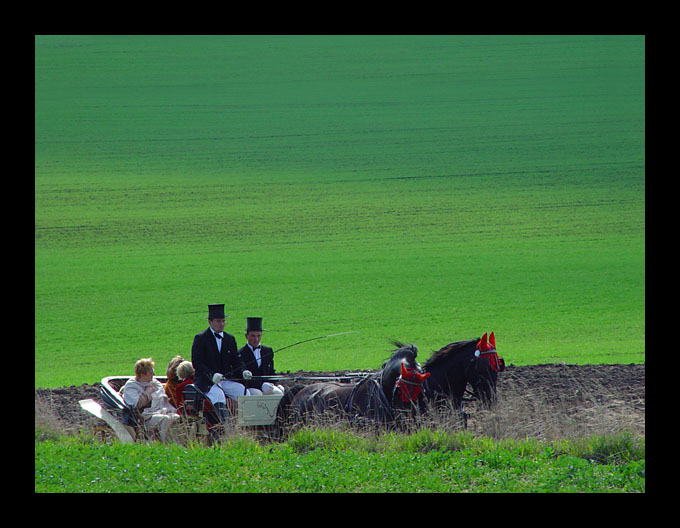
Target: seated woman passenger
x=147, y=395
x=185, y=373
x=171, y=385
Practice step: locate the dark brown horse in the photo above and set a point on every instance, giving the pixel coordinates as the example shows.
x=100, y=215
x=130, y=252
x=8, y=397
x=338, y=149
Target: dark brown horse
x=373, y=399
x=402, y=386
x=474, y=362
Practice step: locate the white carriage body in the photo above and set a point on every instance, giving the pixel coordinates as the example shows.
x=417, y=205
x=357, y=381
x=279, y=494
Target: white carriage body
x=258, y=410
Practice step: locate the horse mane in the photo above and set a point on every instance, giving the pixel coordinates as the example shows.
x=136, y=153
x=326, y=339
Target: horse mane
x=449, y=350
x=399, y=345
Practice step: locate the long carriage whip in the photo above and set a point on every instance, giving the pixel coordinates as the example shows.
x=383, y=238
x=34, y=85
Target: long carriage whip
x=294, y=344
x=315, y=338
x=307, y=340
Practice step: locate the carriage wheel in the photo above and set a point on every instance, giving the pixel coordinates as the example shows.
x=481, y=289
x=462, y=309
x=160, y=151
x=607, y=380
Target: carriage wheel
x=106, y=435
x=103, y=434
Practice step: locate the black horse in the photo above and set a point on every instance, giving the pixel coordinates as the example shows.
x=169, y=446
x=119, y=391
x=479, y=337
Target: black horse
x=401, y=378
x=402, y=385
x=373, y=399
x=453, y=367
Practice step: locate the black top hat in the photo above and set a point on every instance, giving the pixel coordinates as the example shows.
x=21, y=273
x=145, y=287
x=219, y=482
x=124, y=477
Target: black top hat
x=254, y=324
x=216, y=311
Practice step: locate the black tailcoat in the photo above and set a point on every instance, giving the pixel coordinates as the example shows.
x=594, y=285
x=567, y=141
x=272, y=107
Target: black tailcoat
x=207, y=360
x=250, y=363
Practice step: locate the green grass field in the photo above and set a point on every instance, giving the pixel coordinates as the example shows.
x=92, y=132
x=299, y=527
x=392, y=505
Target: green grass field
x=426, y=189
x=335, y=462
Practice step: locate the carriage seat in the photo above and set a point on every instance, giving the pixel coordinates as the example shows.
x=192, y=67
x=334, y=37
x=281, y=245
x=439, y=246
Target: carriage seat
x=194, y=399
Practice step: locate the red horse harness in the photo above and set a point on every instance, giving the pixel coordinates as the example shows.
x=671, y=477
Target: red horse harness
x=485, y=348
x=410, y=383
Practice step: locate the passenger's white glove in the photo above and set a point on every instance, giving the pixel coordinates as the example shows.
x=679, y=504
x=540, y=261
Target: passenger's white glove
x=217, y=378
x=247, y=375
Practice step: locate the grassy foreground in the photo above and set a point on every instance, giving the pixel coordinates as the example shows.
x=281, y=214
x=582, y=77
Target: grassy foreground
x=332, y=461
x=426, y=189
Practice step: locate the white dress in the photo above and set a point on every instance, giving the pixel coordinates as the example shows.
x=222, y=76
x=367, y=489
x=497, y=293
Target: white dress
x=160, y=414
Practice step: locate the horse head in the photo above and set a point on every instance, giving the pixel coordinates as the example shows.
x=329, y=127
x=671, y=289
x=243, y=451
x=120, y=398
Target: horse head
x=474, y=362
x=483, y=368
x=402, y=358
x=409, y=386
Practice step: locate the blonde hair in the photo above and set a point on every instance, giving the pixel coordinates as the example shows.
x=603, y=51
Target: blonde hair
x=144, y=366
x=185, y=369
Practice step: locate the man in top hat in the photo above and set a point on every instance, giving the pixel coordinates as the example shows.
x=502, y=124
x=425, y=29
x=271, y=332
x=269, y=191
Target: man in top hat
x=215, y=357
x=258, y=359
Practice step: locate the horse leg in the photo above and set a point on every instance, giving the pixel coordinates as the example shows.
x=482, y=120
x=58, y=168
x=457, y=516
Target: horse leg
x=285, y=411
x=464, y=416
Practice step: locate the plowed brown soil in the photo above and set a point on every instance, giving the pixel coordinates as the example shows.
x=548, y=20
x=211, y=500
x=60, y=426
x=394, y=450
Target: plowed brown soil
x=546, y=402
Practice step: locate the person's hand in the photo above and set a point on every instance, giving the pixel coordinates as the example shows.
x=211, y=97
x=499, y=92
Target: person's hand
x=217, y=377
x=247, y=375
x=144, y=400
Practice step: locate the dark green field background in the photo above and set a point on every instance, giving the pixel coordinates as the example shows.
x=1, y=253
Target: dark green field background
x=421, y=188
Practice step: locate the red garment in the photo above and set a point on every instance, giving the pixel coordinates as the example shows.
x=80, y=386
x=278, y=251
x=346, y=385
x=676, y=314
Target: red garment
x=179, y=394
x=170, y=390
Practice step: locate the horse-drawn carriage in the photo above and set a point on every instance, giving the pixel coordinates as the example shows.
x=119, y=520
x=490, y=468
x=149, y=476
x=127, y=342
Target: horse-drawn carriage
x=127, y=424
x=401, y=387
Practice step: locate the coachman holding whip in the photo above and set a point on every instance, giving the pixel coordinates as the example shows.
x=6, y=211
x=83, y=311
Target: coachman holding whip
x=215, y=357
x=258, y=359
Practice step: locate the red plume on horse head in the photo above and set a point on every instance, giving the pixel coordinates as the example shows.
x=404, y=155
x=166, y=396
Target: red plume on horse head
x=404, y=371
x=485, y=348
x=410, y=384
x=413, y=375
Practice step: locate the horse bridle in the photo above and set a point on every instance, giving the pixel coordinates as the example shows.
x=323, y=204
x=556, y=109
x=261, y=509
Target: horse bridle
x=495, y=361
x=414, y=394
x=496, y=364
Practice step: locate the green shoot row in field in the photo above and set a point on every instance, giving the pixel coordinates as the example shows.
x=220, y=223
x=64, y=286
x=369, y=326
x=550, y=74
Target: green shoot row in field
x=323, y=461
x=426, y=189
